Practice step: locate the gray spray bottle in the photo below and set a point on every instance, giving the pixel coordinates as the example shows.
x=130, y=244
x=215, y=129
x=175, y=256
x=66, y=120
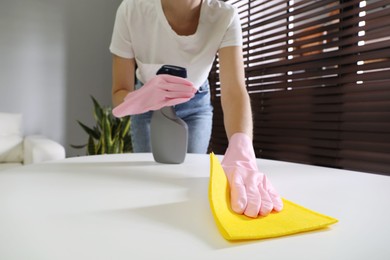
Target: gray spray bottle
x=168, y=132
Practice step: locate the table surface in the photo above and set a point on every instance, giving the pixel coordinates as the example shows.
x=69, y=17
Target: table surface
x=129, y=207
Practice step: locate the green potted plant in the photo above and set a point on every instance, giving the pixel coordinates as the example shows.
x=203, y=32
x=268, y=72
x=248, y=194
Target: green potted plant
x=109, y=135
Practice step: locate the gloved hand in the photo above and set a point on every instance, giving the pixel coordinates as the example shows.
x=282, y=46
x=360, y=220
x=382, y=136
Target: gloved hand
x=162, y=90
x=251, y=192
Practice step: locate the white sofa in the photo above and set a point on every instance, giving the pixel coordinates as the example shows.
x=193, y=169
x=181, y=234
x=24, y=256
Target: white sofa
x=17, y=150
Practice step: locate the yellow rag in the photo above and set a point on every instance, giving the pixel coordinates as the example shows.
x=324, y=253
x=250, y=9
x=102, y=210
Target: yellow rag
x=291, y=220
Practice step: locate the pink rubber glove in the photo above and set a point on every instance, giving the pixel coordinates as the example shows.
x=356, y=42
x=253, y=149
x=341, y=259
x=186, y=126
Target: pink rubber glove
x=251, y=192
x=162, y=90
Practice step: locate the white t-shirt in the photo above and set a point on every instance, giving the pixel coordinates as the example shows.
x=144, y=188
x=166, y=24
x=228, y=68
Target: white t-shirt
x=141, y=31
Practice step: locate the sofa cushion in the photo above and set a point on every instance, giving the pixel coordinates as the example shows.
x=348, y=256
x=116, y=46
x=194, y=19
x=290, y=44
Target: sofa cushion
x=11, y=140
x=11, y=148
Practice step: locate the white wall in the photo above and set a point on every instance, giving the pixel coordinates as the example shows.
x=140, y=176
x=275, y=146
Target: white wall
x=53, y=56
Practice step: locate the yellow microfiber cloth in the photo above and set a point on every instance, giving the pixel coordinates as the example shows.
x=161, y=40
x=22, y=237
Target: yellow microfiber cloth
x=291, y=220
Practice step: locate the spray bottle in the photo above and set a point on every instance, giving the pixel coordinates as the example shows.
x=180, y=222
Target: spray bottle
x=168, y=132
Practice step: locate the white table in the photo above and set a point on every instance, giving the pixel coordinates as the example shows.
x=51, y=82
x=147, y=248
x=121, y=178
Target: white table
x=129, y=207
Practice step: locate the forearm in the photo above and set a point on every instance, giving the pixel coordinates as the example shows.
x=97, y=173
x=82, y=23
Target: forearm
x=234, y=96
x=237, y=114
x=118, y=96
x=122, y=79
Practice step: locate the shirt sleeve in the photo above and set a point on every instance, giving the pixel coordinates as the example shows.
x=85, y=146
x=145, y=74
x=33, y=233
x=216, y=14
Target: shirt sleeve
x=233, y=35
x=121, y=41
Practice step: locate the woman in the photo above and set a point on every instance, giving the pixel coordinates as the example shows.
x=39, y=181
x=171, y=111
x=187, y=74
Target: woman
x=189, y=33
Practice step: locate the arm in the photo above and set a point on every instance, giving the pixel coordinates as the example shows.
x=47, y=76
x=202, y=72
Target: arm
x=122, y=78
x=234, y=97
x=251, y=192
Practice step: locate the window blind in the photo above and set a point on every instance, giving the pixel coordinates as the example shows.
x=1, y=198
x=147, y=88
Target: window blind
x=318, y=74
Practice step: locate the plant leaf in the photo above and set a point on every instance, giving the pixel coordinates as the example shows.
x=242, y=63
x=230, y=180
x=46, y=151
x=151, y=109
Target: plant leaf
x=127, y=145
x=115, y=145
x=100, y=149
x=98, y=111
x=115, y=125
x=107, y=133
x=78, y=146
x=90, y=132
x=125, y=126
x=91, y=149
x=121, y=146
